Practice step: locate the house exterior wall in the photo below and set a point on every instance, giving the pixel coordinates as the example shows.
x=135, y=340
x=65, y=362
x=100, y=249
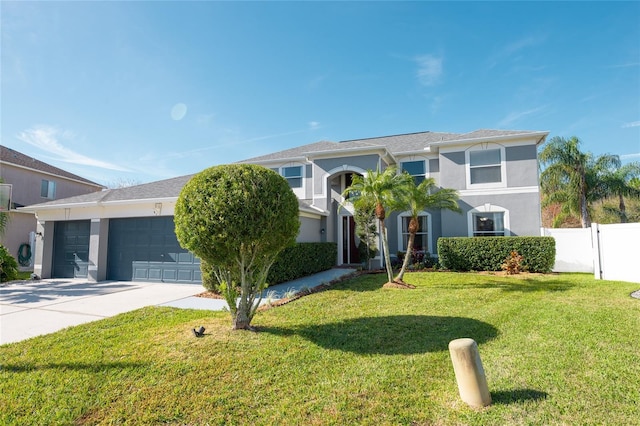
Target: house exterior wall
x=311, y=230
x=523, y=211
x=324, y=176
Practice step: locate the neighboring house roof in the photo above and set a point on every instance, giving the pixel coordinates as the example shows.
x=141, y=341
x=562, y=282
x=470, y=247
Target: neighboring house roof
x=11, y=156
x=395, y=144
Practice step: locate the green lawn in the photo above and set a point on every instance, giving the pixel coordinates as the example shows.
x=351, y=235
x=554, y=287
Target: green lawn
x=557, y=349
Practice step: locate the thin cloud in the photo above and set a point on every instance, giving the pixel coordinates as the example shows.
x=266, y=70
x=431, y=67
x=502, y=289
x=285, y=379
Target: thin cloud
x=429, y=69
x=523, y=43
x=514, y=48
x=632, y=124
x=627, y=65
x=515, y=116
x=625, y=157
x=191, y=152
x=48, y=138
x=314, y=125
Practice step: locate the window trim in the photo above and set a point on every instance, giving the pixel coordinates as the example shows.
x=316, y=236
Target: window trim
x=488, y=208
x=50, y=189
x=401, y=246
x=300, y=176
x=425, y=167
x=503, y=166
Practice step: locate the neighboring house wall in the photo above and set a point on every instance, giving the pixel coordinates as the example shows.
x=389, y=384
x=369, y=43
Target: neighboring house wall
x=27, y=185
x=34, y=182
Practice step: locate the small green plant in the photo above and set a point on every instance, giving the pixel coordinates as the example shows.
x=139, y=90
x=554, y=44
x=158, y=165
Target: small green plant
x=270, y=298
x=8, y=266
x=290, y=293
x=513, y=263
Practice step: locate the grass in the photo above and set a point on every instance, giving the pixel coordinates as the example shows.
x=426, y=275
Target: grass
x=558, y=349
x=24, y=275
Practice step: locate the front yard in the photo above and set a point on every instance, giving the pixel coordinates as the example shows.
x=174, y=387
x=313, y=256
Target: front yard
x=557, y=349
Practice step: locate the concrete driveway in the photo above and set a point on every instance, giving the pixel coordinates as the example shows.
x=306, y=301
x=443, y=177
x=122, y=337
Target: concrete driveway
x=33, y=308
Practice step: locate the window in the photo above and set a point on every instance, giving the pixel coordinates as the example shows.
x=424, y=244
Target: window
x=293, y=176
x=421, y=242
x=415, y=169
x=485, y=166
x=48, y=189
x=488, y=224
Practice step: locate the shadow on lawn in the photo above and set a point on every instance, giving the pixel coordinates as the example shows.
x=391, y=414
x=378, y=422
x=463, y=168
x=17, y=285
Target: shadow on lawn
x=517, y=396
x=513, y=284
x=93, y=367
x=391, y=335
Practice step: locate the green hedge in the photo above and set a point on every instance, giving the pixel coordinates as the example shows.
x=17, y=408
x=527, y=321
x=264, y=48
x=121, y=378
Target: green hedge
x=489, y=253
x=8, y=266
x=301, y=260
x=293, y=262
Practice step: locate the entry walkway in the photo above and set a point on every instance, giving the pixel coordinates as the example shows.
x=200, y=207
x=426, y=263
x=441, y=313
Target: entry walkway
x=273, y=293
x=33, y=308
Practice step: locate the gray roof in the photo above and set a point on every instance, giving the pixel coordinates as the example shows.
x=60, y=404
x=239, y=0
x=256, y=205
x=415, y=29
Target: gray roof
x=11, y=156
x=395, y=144
x=162, y=189
x=168, y=188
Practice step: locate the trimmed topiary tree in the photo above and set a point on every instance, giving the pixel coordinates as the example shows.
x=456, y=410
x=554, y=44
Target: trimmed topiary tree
x=237, y=218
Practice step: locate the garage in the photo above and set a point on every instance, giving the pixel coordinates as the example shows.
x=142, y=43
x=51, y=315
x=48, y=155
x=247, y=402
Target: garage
x=146, y=249
x=71, y=249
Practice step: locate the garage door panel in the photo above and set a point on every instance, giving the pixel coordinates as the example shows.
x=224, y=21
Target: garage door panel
x=146, y=249
x=71, y=249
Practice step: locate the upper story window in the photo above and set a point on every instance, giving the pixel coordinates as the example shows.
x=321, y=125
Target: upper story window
x=293, y=175
x=486, y=167
x=415, y=169
x=48, y=189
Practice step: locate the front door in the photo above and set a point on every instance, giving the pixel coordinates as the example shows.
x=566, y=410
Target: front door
x=350, y=254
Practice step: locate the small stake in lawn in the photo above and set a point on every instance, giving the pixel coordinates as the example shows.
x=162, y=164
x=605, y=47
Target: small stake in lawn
x=472, y=382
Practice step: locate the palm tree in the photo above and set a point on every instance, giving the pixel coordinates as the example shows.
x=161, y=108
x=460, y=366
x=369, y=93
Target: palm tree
x=422, y=197
x=382, y=189
x=572, y=177
x=620, y=183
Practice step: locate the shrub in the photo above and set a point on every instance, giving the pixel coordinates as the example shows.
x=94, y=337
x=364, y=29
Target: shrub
x=301, y=260
x=8, y=266
x=513, y=264
x=489, y=253
x=237, y=217
x=294, y=262
x=420, y=259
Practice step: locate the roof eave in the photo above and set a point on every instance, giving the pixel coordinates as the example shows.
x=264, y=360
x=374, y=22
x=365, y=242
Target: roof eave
x=541, y=135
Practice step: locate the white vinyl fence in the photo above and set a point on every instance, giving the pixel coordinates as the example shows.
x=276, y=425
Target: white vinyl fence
x=610, y=252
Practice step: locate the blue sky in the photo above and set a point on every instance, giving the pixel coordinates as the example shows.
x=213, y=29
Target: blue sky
x=141, y=91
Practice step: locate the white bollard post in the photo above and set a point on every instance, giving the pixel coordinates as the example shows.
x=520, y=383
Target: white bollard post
x=472, y=382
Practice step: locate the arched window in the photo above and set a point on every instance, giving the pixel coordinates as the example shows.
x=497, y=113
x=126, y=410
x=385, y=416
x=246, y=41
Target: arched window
x=488, y=221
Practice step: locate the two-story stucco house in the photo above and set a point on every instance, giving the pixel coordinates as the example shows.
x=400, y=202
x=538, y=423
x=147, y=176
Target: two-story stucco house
x=33, y=181
x=130, y=231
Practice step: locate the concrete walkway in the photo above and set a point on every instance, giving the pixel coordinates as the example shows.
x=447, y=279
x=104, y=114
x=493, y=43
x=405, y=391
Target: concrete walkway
x=33, y=308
